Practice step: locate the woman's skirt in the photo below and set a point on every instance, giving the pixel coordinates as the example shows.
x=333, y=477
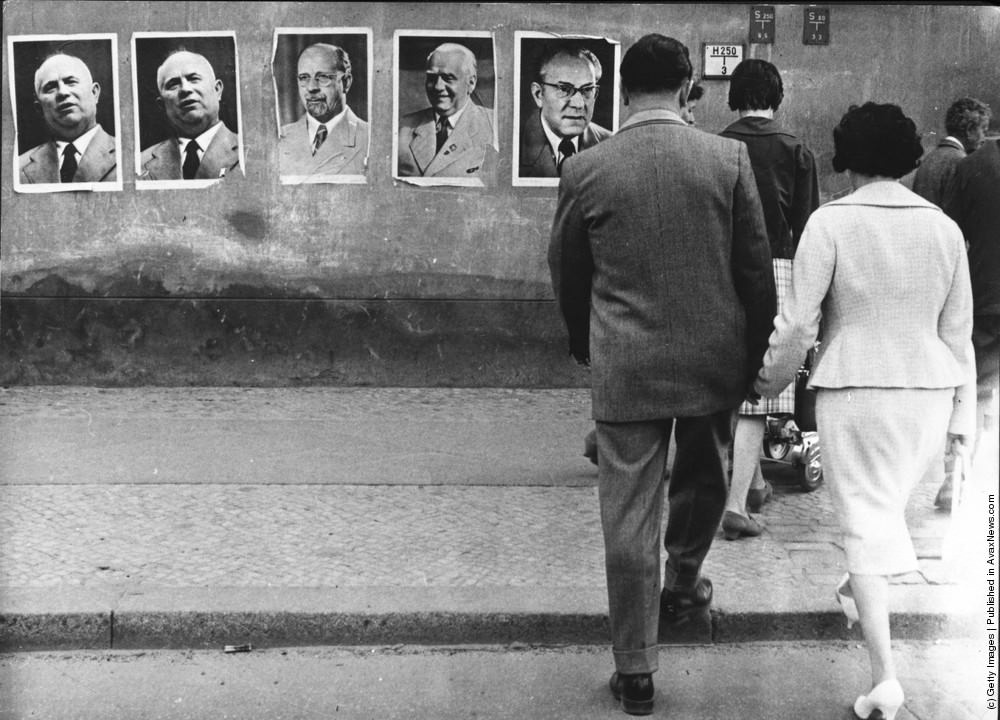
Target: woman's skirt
x=785, y=402
x=877, y=444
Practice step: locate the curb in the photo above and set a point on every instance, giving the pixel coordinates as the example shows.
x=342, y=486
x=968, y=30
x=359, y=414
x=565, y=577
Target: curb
x=207, y=630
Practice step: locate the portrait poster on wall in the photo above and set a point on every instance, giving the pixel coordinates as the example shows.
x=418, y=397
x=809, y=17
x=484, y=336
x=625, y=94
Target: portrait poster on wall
x=322, y=87
x=186, y=95
x=444, y=108
x=565, y=101
x=64, y=97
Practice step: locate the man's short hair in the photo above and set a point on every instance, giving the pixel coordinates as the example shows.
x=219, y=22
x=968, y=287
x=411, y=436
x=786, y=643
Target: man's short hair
x=966, y=114
x=755, y=85
x=341, y=57
x=656, y=63
x=58, y=54
x=554, y=48
x=177, y=50
x=471, y=64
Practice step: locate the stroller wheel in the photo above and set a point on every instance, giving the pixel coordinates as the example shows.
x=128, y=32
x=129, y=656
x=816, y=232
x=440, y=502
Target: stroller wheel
x=777, y=438
x=810, y=471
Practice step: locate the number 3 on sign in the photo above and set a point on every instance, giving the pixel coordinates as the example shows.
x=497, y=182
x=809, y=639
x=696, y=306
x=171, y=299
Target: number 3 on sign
x=720, y=59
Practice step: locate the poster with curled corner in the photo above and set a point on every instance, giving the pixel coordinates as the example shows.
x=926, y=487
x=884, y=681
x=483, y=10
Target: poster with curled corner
x=64, y=97
x=565, y=101
x=186, y=95
x=444, y=109
x=322, y=87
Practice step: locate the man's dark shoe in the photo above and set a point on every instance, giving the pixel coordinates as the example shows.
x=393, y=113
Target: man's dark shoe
x=678, y=605
x=635, y=692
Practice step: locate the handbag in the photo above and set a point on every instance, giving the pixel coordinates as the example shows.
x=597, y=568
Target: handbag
x=805, y=399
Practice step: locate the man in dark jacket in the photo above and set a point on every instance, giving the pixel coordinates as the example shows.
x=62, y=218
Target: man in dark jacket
x=565, y=89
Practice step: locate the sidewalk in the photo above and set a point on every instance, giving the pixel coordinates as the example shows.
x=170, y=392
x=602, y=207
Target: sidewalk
x=197, y=517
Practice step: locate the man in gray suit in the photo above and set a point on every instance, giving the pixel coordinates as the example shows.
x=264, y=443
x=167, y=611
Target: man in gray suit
x=453, y=137
x=564, y=89
x=204, y=148
x=661, y=267
x=79, y=151
x=329, y=139
x=966, y=123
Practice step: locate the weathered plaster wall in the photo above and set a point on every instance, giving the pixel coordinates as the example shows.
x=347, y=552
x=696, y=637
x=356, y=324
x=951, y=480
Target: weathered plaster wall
x=252, y=282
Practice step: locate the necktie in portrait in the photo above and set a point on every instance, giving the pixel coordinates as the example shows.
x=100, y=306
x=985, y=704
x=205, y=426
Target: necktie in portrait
x=566, y=149
x=69, y=165
x=442, y=132
x=191, y=160
x=321, y=133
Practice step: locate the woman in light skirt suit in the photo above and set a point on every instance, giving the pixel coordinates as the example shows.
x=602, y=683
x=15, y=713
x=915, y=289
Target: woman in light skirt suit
x=887, y=273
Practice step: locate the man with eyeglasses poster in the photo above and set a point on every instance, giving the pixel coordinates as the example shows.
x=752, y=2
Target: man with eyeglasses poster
x=564, y=88
x=329, y=139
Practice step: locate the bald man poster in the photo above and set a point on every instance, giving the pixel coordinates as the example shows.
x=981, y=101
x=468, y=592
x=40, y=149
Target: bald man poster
x=187, y=103
x=64, y=92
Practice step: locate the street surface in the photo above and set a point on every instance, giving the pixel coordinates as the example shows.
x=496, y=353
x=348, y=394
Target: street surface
x=753, y=681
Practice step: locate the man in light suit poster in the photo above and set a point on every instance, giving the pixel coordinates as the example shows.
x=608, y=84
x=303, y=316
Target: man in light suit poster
x=329, y=139
x=70, y=149
x=191, y=138
x=455, y=137
x=662, y=271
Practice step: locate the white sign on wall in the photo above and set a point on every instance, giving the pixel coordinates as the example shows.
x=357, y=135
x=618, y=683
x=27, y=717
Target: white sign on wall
x=720, y=59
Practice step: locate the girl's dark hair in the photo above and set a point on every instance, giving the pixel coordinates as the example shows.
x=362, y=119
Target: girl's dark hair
x=876, y=139
x=755, y=85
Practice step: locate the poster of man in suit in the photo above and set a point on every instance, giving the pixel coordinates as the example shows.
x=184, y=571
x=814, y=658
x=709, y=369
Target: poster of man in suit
x=321, y=85
x=64, y=92
x=566, y=101
x=445, y=108
x=187, y=109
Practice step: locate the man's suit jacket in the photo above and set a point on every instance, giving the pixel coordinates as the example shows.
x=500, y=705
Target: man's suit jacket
x=661, y=267
x=468, y=153
x=973, y=201
x=888, y=273
x=163, y=160
x=535, y=159
x=98, y=163
x=344, y=152
x=936, y=168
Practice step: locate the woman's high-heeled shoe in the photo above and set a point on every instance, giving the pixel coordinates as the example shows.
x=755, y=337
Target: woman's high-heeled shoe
x=846, y=601
x=882, y=703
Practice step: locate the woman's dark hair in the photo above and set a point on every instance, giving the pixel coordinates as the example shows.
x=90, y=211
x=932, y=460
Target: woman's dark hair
x=876, y=139
x=696, y=92
x=755, y=85
x=655, y=63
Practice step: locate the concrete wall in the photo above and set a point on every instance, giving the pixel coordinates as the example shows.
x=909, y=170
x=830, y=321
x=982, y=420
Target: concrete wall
x=252, y=282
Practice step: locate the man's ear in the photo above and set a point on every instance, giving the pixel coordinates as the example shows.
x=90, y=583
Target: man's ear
x=97, y=91
x=348, y=79
x=536, y=93
x=218, y=87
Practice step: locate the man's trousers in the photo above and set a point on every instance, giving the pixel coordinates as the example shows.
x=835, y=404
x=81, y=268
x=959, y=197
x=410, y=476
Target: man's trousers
x=631, y=481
